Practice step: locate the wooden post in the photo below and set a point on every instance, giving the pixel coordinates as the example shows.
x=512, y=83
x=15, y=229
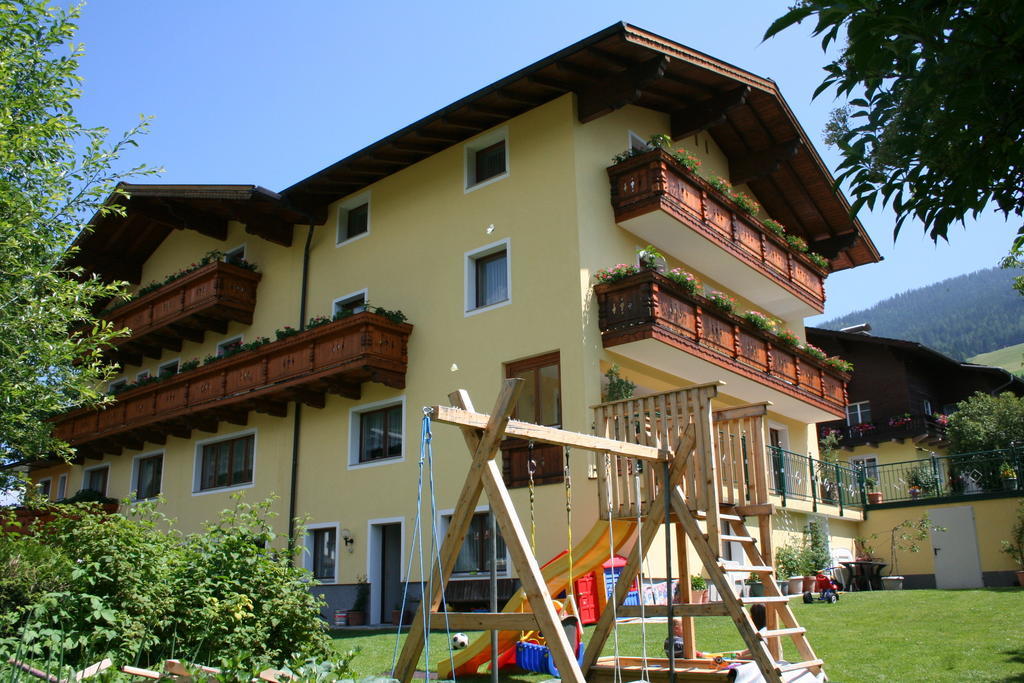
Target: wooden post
x=685, y=593
x=647, y=532
x=484, y=449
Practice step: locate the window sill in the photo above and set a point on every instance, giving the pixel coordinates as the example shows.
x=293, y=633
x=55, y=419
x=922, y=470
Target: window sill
x=489, y=307
x=375, y=463
x=350, y=240
x=485, y=183
x=223, y=489
x=478, y=576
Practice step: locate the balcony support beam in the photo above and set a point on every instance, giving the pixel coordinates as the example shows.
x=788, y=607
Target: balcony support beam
x=707, y=114
x=270, y=407
x=762, y=163
x=618, y=90
x=180, y=217
x=188, y=333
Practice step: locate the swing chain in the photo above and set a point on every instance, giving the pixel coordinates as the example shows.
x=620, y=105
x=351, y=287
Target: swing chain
x=567, y=475
x=531, y=468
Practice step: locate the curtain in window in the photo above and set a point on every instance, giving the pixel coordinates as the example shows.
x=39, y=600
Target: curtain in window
x=492, y=279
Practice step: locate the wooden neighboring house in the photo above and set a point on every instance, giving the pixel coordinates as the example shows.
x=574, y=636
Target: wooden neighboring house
x=899, y=397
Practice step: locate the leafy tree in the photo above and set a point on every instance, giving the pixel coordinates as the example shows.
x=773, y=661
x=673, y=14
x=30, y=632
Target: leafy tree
x=935, y=122
x=54, y=175
x=985, y=423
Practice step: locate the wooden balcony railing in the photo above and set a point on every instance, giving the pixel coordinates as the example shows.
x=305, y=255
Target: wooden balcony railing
x=650, y=306
x=333, y=358
x=732, y=439
x=205, y=299
x=655, y=181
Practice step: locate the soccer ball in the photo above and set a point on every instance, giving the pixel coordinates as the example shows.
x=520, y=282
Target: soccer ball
x=459, y=641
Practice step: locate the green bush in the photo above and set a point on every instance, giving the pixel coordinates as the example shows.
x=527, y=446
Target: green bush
x=814, y=555
x=28, y=570
x=138, y=591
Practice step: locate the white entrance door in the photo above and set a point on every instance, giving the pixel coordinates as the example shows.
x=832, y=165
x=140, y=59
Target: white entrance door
x=956, y=549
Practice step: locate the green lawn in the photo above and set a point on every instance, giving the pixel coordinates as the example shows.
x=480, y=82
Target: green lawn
x=927, y=635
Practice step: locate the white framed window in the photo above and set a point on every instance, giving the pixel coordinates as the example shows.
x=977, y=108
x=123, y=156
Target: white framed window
x=117, y=385
x=62, y=486
x=868, y=462
x=354, y=302
x=168, y=369
x=225, y=463
x=377, y=433
x=637, y=143
x=353, y=219
x=147, y=475
x=858, y=413
x=43, y=487
x=228, y=345
x=487, y=159
x=475, y=555
x=96, y=479
x=235, y=255
x=926, y=407
x=141, y=375
x=778, y=435
x=488, y=277
x=322, y=551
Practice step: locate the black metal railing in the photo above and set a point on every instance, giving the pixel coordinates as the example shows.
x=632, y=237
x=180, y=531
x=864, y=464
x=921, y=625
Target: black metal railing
x=829, y=483
x=963, y=474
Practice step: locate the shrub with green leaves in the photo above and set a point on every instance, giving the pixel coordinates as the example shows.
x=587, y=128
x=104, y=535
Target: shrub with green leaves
x=138, y=591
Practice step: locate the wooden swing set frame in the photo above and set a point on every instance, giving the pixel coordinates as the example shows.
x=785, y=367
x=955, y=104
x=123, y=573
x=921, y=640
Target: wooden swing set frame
x=683, y=419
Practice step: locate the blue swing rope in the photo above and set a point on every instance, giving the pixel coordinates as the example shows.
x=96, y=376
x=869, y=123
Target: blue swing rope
x=427, y=457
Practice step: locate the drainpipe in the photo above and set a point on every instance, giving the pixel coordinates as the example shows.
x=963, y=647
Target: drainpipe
x=297, y=422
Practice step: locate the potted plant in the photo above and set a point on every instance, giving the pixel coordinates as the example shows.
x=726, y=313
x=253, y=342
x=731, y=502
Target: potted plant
x=920, y=480
x=874, y=497
x=357, y=615
x=1009, y=476
x=754, y=586
x=698, y=589
x=1015, y=546
x=787, y=566
x=396, y=615
x=814, y=555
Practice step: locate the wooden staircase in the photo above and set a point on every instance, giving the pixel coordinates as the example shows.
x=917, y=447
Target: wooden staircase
x=718, y=476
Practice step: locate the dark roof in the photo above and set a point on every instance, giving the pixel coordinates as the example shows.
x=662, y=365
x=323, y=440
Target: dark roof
x=117, y=246
x=744, y=113
x=1012, y=382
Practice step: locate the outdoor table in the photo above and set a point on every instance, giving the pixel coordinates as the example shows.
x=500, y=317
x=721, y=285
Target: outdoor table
x=865, y=575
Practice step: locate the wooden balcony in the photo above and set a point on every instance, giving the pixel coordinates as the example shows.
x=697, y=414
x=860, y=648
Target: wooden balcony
x=674, y=209
x=333, y=358
x=922, y=430
x=205, y=299
x=650, y=319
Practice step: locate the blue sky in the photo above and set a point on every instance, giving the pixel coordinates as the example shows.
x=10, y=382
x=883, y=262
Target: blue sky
x=269, y=92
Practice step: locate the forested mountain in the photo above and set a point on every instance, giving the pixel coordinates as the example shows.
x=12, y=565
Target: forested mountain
x=961, y=317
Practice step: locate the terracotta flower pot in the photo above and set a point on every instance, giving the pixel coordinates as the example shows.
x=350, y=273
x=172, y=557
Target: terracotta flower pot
x=356, y=618
x=1020, y=578
x=808, y=584
x=699, y=596
x=875, y=497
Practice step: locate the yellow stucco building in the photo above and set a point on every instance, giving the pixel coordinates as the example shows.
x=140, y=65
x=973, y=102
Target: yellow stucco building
x=484, y=225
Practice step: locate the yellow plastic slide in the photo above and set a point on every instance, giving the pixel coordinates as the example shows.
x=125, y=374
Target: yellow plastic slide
x=588, y=555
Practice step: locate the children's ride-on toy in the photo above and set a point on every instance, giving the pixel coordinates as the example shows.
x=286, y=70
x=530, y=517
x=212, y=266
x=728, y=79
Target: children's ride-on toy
x=828, y=588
